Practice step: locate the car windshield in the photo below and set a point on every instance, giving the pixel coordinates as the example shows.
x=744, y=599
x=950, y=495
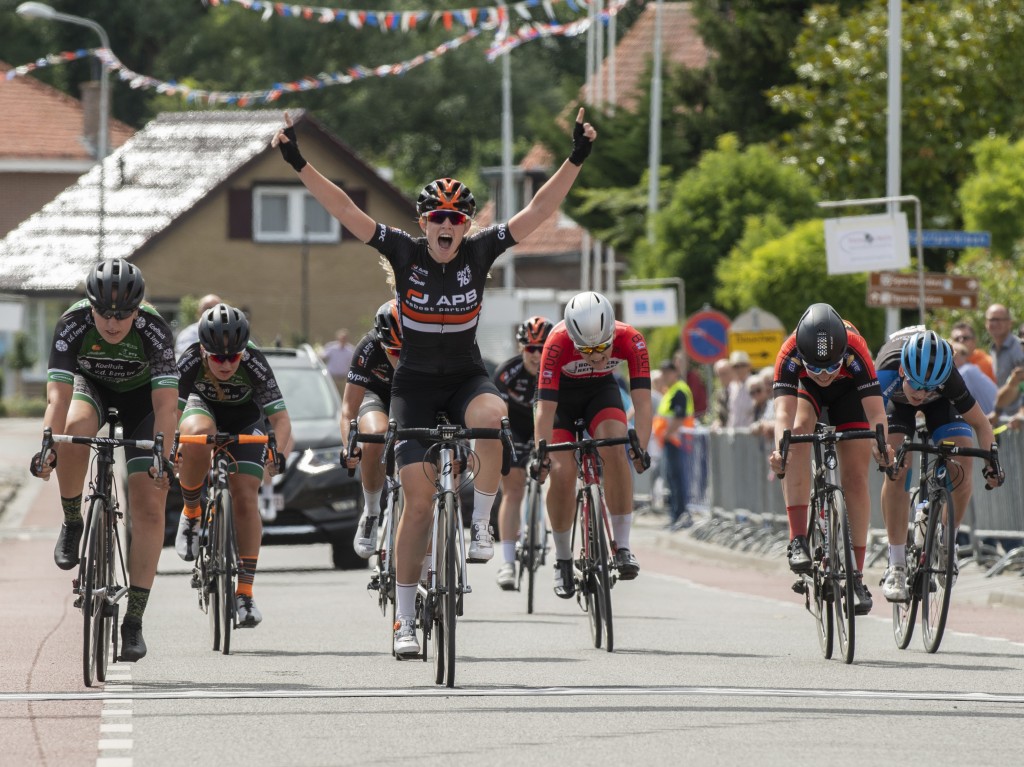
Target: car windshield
x=306, y=393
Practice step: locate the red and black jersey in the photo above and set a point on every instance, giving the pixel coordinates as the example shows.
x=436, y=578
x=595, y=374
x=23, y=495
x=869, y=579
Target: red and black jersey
x=858, y=367
x=562, y=364
x=440, y=303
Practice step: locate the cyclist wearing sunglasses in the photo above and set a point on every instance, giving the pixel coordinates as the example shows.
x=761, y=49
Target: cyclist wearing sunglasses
x=917, y=375
x=112, y=351
x=576, y=382
x=367, y=398
x=516, y=379
x=439, y=281
x=227, y=386
x=824, y=372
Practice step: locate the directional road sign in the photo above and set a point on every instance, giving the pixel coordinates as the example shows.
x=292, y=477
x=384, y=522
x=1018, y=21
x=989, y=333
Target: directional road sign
x=951, y=238
x=902, y=290
x=706, y=336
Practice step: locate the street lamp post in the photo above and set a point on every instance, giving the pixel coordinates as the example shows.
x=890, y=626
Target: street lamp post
x=43, y=11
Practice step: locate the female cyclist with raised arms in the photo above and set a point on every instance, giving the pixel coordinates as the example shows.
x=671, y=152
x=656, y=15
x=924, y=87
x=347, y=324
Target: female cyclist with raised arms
x=113, y=351
x=824, y=366
x=516, y=379
x=576, y=382
x=917, y=375
x=367, y=399
x=439, y=281
x=228, y=386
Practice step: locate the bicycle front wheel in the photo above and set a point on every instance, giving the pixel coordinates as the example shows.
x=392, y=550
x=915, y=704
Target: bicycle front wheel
x=600, y=564
x=939, y=566
x=90, y=589
x=534, y=536
x=842, y=575
x=228, y=556
x=819, y=600
x=209, y=596
x=106, y=585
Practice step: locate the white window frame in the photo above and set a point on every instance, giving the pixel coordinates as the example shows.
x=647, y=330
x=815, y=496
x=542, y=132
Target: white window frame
x=296, y=196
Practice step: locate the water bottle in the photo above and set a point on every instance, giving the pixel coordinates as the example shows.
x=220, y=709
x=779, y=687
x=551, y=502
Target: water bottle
x=920, y=520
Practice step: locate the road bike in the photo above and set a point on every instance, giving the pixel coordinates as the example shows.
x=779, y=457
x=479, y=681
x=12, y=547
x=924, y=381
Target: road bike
x=532, y=545
x=440, y=598
x=102, y=580
x=829, y=587
x=931, y=537
x=595, y=571
x=383, y=579
x=217, y=564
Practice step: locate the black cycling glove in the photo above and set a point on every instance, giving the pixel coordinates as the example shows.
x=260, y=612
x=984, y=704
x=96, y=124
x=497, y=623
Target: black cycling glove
x=290, y=150
x=581, y=145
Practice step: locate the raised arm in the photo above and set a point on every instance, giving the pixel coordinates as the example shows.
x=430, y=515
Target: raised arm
x=327, y=193
x=550, y=196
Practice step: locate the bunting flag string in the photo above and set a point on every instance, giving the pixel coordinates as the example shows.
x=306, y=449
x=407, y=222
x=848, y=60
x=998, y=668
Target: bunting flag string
x=486, y=17
x=503, y=44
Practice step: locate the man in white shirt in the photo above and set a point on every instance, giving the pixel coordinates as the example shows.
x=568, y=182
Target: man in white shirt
x=190, y=333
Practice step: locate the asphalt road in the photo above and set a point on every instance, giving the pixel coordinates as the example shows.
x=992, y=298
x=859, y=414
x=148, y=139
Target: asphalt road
x=715, y=660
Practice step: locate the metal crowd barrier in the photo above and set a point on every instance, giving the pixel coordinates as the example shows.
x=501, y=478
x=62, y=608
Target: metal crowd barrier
x=740, y=504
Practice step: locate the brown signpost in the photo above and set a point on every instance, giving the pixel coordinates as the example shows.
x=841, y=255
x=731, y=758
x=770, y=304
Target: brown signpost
x=899, y=290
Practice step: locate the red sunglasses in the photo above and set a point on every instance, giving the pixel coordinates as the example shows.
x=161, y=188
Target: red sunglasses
x=440, y=216
x=223, y=359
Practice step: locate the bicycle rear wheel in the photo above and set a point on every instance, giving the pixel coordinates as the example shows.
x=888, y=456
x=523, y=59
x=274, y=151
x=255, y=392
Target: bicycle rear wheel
x=228, y=555
x=600, y=564
x=937, y=573
x=820, y=597
x=842, y=576
x=89, y=587
x=905, y=613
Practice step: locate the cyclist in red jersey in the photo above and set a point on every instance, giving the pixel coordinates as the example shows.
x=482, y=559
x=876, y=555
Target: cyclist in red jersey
x=439, y=282
x=825, y=365
x=575, y=382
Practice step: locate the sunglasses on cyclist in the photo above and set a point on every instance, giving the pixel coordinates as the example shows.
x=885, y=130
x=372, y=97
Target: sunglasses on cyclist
x=918, y=387
x=224, y=359
x=440, y=216
x=533, y=348
x=597, y=349
x=115, y=315
x=815, y=370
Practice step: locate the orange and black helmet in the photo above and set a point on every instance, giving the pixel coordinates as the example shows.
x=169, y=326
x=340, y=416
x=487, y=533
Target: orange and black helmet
x=446, y=194
x=534, y=331
x=388, y=325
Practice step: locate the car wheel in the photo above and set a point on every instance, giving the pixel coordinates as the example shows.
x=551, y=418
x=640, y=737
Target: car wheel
x=345, y=557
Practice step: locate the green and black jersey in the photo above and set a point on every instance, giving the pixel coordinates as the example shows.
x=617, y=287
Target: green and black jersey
x=253, y=384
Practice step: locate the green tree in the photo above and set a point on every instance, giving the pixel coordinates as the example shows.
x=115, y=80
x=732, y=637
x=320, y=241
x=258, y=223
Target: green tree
x=707, y=209
x=784, y=272
x=992, y=197
x=961, y=77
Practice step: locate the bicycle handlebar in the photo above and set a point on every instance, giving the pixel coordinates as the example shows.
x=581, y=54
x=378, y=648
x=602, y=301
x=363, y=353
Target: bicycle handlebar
x=831, y=437
x=948, y=449
x=631, y=439
x=222, y=439
x=156, y=445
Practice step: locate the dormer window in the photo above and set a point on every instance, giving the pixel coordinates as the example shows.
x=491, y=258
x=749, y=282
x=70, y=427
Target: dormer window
x=291, y=214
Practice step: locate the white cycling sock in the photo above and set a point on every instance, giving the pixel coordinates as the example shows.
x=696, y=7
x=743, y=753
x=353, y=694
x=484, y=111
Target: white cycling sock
x=563, y=544
x=898, y=555
x=621, y=524
x=372, y=501
x=405, y=597
x=482, y=503
x=508, y=550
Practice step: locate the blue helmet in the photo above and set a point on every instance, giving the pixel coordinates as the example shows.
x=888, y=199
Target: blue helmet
x=927, y=360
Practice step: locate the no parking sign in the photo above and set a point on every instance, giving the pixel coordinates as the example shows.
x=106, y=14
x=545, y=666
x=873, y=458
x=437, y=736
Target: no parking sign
x=706, y=336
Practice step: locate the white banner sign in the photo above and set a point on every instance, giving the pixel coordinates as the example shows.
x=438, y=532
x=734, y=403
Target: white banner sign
x=650, y=308
x=867, y=243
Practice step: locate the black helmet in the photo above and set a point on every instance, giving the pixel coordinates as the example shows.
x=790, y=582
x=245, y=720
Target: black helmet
x=223, y=330
x=115, y=285
x=388, y=325
x=446, y=194
x=534, y=331
x=821, y=336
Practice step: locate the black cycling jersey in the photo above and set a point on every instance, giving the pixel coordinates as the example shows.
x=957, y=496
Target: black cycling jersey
x=252, y=387
x=517, y=386
x=144, y=357
x=370, y=367
x=440, y=304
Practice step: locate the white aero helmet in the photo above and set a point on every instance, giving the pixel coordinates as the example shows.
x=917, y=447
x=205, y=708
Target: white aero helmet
x=589, y=319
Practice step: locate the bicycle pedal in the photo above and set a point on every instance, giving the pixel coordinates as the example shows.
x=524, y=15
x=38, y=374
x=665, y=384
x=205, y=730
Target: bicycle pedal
x=374, y=584
x=467, y=589
x=79, y=602
x=800, y=586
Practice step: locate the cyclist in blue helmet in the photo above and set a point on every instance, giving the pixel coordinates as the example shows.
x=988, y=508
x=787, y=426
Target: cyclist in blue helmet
x=917, y=375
